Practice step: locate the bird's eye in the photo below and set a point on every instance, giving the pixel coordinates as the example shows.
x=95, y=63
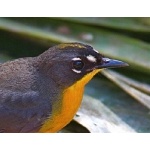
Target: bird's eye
x=78, y=65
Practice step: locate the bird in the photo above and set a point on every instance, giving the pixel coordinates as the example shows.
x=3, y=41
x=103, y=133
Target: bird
x=42, y=94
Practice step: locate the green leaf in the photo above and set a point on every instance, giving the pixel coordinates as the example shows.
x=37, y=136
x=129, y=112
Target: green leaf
x=97, y=118
x=132, y=87
x=133, y=51
x=124, y=106
x=131, y=24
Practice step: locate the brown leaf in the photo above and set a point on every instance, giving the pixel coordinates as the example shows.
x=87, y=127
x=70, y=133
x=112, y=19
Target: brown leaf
x=97, y=118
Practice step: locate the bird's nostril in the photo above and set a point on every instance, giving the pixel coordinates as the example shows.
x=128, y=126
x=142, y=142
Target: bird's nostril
x=106, y=60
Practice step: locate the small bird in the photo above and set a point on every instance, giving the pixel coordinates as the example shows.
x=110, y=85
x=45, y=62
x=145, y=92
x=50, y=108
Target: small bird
x=43, y=93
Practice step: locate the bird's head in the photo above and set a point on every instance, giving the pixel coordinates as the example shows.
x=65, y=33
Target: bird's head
x=69, y=62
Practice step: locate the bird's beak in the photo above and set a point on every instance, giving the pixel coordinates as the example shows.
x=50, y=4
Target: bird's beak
x=111, y=63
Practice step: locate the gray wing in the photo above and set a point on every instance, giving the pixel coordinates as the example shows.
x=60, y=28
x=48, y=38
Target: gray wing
x=22, y=112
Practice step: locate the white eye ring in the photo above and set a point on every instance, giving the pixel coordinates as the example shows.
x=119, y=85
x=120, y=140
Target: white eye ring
x=75, y=59
x=77, y=65
x=76, y=71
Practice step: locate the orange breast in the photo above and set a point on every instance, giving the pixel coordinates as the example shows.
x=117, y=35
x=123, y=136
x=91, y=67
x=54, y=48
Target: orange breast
x=64, y=110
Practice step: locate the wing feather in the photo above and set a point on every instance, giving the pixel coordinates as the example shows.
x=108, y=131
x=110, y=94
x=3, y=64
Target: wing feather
x=22, y=112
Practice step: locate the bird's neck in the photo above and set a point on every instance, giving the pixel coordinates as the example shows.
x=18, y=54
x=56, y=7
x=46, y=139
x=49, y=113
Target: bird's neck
x=64, y=110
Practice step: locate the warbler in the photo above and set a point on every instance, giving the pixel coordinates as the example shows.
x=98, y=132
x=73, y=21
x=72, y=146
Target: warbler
x=43, y=93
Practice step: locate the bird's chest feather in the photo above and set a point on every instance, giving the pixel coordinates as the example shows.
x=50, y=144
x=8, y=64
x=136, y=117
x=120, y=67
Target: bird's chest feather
x=64, y=110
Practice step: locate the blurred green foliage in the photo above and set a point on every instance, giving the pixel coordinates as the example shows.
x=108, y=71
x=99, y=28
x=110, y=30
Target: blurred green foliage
x=127, y=39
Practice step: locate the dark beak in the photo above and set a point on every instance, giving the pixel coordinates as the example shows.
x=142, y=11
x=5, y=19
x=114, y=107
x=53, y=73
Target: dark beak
x=111, y=63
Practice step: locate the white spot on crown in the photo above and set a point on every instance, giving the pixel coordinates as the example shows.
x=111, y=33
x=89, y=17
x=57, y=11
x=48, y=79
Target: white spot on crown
x=95, y=50
x=91, y=58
